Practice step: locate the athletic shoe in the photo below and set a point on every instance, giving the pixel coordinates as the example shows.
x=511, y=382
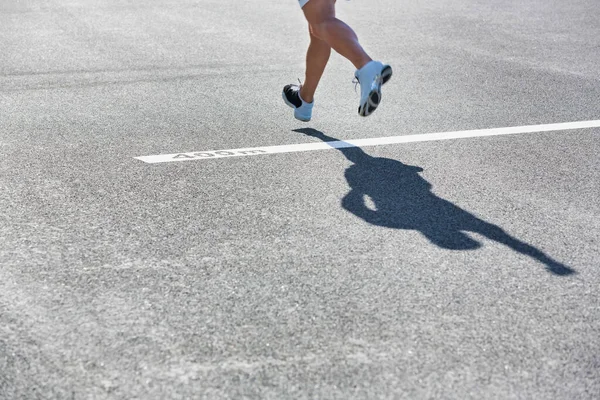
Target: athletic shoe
x=371, y=77
x=302, y=109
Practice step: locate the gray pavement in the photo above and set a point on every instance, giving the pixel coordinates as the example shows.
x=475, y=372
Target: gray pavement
x=458, y=269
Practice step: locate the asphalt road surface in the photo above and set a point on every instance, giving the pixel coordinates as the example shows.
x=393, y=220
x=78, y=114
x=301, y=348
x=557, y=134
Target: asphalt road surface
x=457, y=268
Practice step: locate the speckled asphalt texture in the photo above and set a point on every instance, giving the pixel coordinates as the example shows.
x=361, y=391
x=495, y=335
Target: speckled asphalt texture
x=458, y=269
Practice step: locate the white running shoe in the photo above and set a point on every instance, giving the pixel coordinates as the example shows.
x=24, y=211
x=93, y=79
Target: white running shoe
x=302, y=109
x=371, y=77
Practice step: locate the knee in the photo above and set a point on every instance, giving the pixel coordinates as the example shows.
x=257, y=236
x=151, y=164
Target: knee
x=318, y=29
x=314, y=34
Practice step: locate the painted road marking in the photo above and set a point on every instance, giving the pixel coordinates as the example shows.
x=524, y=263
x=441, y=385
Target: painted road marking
x=292, y=148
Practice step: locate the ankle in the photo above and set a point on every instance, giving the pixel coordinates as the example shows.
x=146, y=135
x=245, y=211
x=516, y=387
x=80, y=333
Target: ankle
x=359, y=64
x=305, y=96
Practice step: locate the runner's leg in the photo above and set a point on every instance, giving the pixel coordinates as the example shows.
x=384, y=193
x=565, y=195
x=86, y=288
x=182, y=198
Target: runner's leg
x=320, y=14
x=317, y=57
x=328, y=32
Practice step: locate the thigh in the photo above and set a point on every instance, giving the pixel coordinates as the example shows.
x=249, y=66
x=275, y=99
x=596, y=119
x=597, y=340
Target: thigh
x=317, y=11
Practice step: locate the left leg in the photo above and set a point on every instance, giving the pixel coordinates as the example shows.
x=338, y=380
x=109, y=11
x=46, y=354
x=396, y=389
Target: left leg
x=317, y=57
x=301, y=97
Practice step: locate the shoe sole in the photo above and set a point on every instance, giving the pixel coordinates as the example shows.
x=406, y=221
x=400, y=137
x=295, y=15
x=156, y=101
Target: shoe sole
x=374, y=97
x=294, y=107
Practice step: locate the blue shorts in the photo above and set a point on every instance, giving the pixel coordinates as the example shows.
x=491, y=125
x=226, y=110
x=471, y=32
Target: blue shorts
x=302, y=3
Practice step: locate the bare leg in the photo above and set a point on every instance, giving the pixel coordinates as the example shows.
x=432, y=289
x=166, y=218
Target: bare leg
x=317, y=57
x=320, y=14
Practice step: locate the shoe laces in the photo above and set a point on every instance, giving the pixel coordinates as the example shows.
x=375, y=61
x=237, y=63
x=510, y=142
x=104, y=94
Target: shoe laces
x=356, y=83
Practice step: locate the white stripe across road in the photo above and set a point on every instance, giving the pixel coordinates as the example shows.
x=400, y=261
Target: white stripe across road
x=291, y=148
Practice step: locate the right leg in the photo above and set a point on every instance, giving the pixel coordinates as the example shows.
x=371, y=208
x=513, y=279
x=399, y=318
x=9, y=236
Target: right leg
x=320, y=14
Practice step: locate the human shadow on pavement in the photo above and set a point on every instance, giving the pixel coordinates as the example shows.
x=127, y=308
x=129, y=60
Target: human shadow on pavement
x=402, y=199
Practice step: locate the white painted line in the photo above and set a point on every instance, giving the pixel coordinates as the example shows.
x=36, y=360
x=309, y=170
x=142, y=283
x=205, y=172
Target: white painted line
x=291, y=148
